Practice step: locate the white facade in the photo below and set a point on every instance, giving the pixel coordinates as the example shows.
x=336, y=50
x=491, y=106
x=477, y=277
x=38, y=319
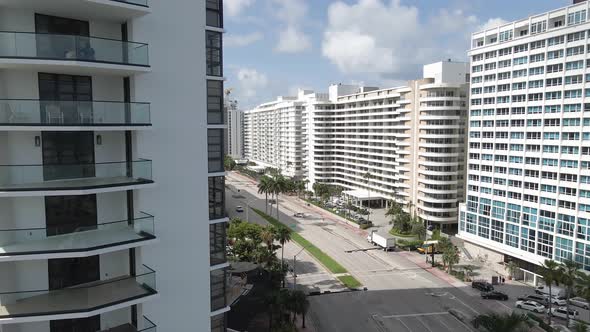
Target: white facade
x=529, y=164
x=89, y=99
x=235, y=133
x=410, y=139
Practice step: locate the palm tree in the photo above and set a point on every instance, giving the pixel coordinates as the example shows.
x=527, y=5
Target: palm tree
x=263, y=188
x=512, y=268
x=550, y=273
x=568, y=271
x=583, y=285
x=301, y=305
x=278, y=186
x=268, y=236
x=450, y=257
x=283, y=235
x=367, y=177
x=495, y=322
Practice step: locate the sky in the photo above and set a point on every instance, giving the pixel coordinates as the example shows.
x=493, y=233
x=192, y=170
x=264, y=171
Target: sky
x=275, y=47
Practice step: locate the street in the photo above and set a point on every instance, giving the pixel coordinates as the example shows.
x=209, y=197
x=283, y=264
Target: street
x=403, y=292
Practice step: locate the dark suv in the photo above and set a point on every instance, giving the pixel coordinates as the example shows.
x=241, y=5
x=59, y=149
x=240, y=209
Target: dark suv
x=483, y=286
x=494, y=295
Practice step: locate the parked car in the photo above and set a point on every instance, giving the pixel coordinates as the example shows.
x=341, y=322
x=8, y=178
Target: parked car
x=534, y=297
x=530, y=305
x=579, y=302
x=239, y=209
x=494, y=295
x=299, y=215
x=561, y=312
x=272, y=201
x=558, y=300
x=483, y=286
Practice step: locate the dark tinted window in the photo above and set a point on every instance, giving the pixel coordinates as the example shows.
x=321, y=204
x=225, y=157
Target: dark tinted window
x=215, y=102
x=216, y=197
x=214, y=58
x=214, y=13
x=217, y=242
x=218, y=289
x=215, y=149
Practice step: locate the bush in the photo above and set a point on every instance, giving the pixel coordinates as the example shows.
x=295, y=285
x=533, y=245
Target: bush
x=541, y=322
x=365, y=226
x=410, y=244
x=435, y=234
x=395, y=232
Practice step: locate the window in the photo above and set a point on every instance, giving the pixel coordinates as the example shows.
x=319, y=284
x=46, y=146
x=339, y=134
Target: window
x=537, y=57
x=218, y=287
x=215, y=102
x=556, y=41
x=555, y=68
x=535, y=84
x=568, y=94
x=214, y=55
x=521, y=48
x=505, y=51
x=576, y=17
x=216, y=197
x=572, y=107
x=573, y=65
x=527, y=239
x=553, y=95
x=536, y=71
x=497, y=231
x=520, y=61
x=504, y=76
x=519, y=73
x=571, y=51
x=538, y=27
x=215, y=149
x=571, y=37
x=575, y=79
x=217, y=243
x=476, y=79
x=490, y=66
x=218, y=323
x=477, y=57
x=505, y=35
x=214, y=15
x=477, y=69
x=504, y=63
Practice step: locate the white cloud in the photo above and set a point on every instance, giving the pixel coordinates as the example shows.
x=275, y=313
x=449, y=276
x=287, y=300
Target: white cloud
x=233, y=40
x=291, y=40
x=492, y=23
x=250, y=82
x=235, y=7
x=387, y=38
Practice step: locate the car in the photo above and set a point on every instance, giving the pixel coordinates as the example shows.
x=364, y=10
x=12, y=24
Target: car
x=536, y=298
x=272, y=201
x=239, y=209
x=561, y=312
x=558, y=300
x=494, y=295
x=299, y=215
x=483, y=286
x=579, y=302
x=531, y=306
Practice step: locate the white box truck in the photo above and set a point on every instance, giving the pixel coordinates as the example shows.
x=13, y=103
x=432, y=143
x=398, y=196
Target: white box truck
x=383, y=240
x=556, y=291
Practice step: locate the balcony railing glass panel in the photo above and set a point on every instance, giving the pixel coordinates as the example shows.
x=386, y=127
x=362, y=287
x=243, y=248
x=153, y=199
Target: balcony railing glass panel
x=76, y=299
x=69, y=238
x=23, y=112
x=74, y=176
x=29, y=45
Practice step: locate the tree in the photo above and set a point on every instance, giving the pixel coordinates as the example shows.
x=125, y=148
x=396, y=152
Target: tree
x=300, y=187
x=229, y=163
x=511, y=267
x=268, y=236
x=264, y=188
x=468, y=271
x=450, y=257
x=568, y=272
x=367, y=176
x=583, y=285
x=283, y=235
x=278, y=185
x=550, y=273
x=444, y=243
x=301, y=305
x=419, y=229
x=495, y=322
x=581, y=327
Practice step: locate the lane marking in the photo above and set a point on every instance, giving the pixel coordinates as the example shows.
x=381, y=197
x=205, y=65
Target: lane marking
x=422, y=322
x=404, y=324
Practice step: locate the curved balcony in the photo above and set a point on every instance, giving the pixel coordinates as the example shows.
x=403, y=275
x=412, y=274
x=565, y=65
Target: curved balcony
x=74, y=179
x=35, y=115
x=112, y=10
x=68, y=241
x=80, y=301
x=71, y=54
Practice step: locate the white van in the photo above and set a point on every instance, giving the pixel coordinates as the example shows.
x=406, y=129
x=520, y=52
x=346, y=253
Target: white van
x=556, y=291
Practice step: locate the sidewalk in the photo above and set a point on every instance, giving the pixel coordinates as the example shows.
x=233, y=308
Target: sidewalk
x=420, y=260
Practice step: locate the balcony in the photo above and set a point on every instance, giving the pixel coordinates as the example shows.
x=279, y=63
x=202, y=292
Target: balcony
x=147, y=326
x=71, y=54
x=68, y=241
x=35, y=115
x=118, y=11
x=81, y=301
x=74, y=179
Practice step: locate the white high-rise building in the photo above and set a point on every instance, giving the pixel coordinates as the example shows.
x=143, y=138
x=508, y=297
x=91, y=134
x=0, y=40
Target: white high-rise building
x=529, y=158
x=410, y=139
x=235, y=133
x=103, y=184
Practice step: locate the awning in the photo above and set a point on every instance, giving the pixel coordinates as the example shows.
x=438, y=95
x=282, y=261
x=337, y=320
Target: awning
x=363, y=194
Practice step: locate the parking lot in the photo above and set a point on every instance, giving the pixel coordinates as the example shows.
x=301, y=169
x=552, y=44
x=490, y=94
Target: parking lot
x=433, y=322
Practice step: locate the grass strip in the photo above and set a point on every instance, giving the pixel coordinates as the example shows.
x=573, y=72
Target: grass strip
x=321, y=256
x=349, y=281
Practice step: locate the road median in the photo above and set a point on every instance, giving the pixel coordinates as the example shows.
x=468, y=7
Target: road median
x=324, y=259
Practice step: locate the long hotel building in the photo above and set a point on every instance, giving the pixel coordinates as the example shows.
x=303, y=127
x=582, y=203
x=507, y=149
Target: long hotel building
x=410, y=139
x=94, y=235
x=528, y=187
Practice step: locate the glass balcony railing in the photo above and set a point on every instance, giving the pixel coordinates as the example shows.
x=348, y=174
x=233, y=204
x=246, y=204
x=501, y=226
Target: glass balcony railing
x=72, y=238
x=147, y=326
x=29, y=112
x=74, y=176
x=29, y=45
x=77, y=299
